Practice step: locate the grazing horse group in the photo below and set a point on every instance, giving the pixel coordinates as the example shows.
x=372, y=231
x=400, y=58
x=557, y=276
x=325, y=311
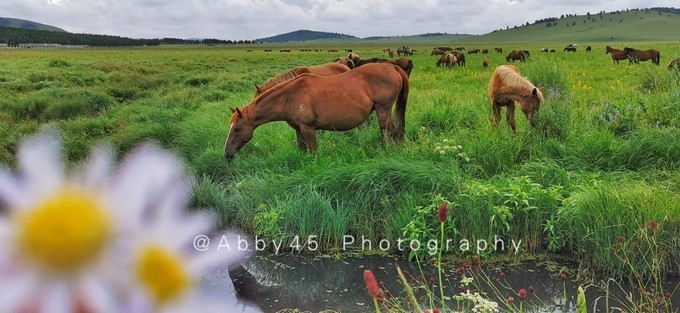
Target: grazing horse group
x=338, y=103
x=516, y=55
x=633, y=55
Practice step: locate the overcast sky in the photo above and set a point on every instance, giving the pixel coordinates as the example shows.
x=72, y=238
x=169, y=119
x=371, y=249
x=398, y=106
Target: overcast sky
x=252, y=19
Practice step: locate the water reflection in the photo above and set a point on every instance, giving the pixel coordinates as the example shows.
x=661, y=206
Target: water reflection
x=322, y=283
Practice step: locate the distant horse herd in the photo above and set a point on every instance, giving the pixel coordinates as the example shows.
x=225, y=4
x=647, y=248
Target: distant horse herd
x=340, y=95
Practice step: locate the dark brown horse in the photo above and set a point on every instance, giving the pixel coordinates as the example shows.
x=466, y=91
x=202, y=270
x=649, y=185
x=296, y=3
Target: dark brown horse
x=356, y=61
x=328, y=69
x=507, y=87
x=617, y=54
x=571, y=48
x=460, y=58
x=516, y=55
x=346, y=62
x=643, y=55
x=675, y=63
x=338, y=103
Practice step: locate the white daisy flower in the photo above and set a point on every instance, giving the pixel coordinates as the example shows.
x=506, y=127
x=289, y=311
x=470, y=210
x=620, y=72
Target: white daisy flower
x=55, y=233
x=87, y=242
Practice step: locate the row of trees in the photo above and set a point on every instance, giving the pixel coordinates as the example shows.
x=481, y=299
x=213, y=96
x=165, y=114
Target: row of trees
x=15, y=36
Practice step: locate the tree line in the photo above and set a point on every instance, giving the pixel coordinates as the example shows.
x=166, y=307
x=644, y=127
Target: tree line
x=15, y=36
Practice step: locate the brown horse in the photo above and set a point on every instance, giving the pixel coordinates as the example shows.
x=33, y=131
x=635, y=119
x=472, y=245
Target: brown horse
x=437, y=52
x=516, y=55
x=485, y=62
x=617, y=54
x=507, y=87
x=675, y=63
x=449, y=60
x=338, y=103
x=328, y=69
x=643, y=55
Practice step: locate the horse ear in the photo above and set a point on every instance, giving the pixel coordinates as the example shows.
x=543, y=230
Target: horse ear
x=534, y=91
x=232, y=110
x=258, y=88
x=238, y=112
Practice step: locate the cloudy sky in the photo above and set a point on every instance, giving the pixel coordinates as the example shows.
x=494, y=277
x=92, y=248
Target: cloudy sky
x=252, y=19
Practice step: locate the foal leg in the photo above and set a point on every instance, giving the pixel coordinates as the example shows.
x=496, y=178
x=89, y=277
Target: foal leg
x=510, y=116
x=496, y=114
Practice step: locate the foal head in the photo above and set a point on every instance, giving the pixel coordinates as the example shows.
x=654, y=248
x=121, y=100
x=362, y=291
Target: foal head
x=240, y=132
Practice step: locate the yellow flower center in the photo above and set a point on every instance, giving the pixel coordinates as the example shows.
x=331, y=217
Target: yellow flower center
x=162, y=273
x=64, y=232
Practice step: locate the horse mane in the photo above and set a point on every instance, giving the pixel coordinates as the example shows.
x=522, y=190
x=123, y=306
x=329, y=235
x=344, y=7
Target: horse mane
x=516, y=83
x=297, y=71
x=281, y=85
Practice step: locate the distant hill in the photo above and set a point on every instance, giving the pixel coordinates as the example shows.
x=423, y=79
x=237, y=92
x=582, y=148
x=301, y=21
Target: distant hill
x=420, y=39
x=306, y=35
x=659, y=24
x=24, y=24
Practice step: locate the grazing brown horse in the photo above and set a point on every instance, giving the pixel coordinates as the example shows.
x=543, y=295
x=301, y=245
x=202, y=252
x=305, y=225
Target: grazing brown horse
x=571, y=48
x=437, y=52
x=460, y=58
x=485, y=62
x=506, y=88
x=356, y=61
x=499, y=50
x=516, y=55
x=338, y=103
x=354, y=57
x=449, y=60
x=643, y=55
x=617, y=54
x=328, y=69
x=405, y=64
x=674, y=63
x=589, y=48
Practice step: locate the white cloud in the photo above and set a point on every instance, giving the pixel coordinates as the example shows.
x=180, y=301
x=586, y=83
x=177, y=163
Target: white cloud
x=250, y=19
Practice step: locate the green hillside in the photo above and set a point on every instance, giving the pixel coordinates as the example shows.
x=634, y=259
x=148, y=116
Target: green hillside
x=24, y=24
x=306, y=35
x=633, y=25
x=420, y=39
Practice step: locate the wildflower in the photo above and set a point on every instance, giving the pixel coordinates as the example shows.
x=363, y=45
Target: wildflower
x=638, y=277
x=73, y=241
x=476, y=259
x=56, y=231
x=614, y=250
x=563, y=277
x=432, y=280
x=620, y=239
x=511, y=299
x=501, y=275
x=371, y=284
x=652, y=224
x=442, y=212
x=531, y=290
x=522, y=294
x=467, y=265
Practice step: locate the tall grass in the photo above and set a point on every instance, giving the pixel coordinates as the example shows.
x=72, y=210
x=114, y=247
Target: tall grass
x=604, y=152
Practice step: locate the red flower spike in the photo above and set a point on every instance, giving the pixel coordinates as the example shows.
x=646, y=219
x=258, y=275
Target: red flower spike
x=501, y=275
x=563, y=277
x=371, y=284
x=443, y=212
x=531, y=290
x=435, y=310
x=432, y=280
x=620, y=239
x=406, y=273
x=476, y=259
x=511, y=299
x=522, y=294
x=614, y=250
x=638, y=277
x=652, y=224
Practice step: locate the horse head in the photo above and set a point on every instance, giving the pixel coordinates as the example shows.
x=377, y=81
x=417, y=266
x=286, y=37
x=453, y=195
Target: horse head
x=240, y=132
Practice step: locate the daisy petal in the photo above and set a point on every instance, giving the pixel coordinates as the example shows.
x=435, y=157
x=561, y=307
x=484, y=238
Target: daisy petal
x=98, y=167
x=11, y=192
x=57, y=299
x=40, y=163
x=98, y=296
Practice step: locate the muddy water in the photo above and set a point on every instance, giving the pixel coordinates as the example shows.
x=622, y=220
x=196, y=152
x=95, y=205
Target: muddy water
x=270, y=283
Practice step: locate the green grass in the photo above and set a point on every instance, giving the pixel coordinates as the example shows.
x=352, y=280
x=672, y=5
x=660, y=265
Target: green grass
x=634, y=25
x=602, y=160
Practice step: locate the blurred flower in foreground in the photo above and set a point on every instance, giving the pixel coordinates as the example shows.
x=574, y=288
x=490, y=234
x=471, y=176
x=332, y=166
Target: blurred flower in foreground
x=97, y=240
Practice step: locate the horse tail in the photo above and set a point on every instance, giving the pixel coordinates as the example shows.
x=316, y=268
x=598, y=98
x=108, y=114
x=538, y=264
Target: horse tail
x=657, y=59
x=400, y=112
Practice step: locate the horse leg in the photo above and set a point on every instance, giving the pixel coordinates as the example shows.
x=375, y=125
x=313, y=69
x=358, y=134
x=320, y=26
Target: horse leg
x=496, y=114
x=309, y=138
x=510, y=116
x=385, y=124
x=302, y=143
